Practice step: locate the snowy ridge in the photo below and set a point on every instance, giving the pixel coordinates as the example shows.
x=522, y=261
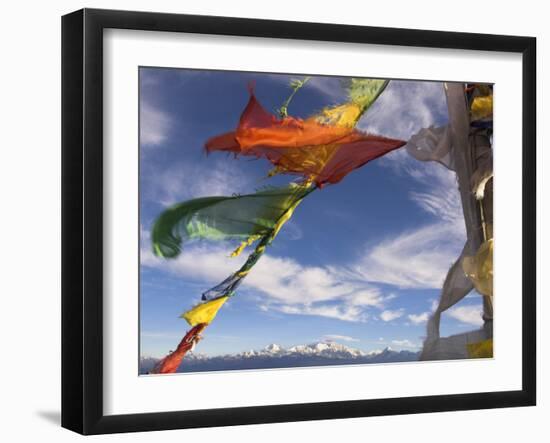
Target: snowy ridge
x=275, y=356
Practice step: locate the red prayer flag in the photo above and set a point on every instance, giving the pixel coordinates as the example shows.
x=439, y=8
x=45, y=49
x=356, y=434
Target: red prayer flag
x=170, y=363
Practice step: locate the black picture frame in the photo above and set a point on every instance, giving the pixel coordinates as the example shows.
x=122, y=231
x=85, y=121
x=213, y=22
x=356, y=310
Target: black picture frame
x=82, y=218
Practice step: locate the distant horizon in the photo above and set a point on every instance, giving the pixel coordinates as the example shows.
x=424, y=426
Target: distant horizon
x=347, y=345
x=300, y=356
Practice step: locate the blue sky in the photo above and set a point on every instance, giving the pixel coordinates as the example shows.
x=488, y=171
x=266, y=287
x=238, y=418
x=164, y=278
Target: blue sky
x=361, y=262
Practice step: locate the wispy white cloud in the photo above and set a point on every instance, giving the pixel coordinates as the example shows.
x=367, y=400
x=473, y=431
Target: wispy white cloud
x=181, y=181
x=418, y=319
x=419, y=258
x=154, y=124
x=423, y=317
x=196, y=263
x=389, y=315
x=415, y=259
x=405, y=343
x=286, y=285
x=340, y=312
x=470, y=315
x=286, y=281
x=404, y=108
x=366, y=295
x=336, y=337
x=438, y=192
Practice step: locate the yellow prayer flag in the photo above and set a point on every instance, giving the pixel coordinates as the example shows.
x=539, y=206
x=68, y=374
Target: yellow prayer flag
x=205, y=312
x=345, y=115
x=482, y=349
x=482, y=107
x=479, y=268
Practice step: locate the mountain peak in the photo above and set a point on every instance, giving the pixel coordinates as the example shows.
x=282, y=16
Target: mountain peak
x=327, y=349
x=274, y=348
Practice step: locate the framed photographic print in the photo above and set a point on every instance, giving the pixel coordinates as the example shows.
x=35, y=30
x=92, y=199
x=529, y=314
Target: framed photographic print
x=277, y=221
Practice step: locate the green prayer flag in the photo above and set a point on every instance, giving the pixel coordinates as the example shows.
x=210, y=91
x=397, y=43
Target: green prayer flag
x=223, y=218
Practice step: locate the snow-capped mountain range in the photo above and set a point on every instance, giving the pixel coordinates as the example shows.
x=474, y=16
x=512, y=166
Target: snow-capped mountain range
x=325, y=349
x=275, y=356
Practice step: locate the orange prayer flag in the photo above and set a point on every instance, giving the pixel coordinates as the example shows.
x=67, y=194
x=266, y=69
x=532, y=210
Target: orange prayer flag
x=312, y=148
